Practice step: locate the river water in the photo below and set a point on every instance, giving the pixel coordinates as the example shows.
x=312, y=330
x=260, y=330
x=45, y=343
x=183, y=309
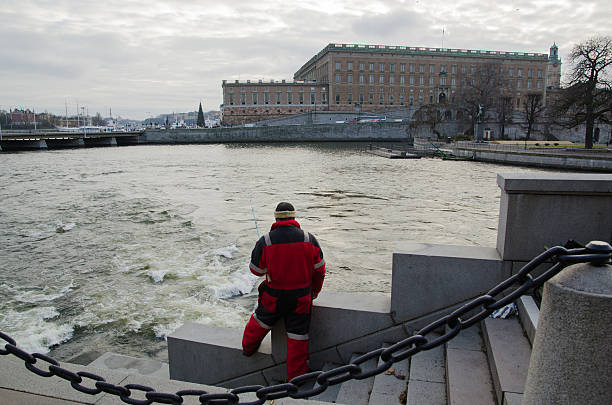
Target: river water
x=111, y=249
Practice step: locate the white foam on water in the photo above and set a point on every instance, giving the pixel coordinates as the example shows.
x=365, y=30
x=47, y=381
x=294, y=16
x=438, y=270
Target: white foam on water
x=227, y=251
x=225, y=286
x=158, y=275
x=163, y=330
x=33, y=329
x=61, y=227
x=34, y=296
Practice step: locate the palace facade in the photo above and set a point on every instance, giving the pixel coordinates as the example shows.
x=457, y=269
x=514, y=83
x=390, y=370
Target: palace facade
x=345, y=77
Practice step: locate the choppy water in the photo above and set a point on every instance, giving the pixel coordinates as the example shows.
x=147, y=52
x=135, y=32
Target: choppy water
x=111, y=249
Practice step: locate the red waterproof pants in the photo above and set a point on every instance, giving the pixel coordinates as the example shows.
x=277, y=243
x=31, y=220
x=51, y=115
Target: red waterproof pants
x=295, y=307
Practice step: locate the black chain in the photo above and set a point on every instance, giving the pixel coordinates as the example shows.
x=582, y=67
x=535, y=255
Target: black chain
x=597, y=253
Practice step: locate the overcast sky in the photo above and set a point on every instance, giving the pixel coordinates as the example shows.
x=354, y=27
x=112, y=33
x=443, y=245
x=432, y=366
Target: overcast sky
x=146, y=57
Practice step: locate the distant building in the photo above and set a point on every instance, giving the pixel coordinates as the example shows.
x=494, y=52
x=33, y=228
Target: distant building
x=22, y=117
x=342, y=77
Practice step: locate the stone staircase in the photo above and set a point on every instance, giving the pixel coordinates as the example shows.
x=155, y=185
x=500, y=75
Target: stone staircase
x=484, y=365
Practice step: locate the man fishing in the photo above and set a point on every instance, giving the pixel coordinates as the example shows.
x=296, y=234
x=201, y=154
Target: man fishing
x=292, y=261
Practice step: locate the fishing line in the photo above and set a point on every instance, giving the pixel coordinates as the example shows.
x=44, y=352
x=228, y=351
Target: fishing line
x=254, y=218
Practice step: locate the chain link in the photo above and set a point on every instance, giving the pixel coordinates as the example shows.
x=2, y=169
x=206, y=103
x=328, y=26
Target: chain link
x=597, y=253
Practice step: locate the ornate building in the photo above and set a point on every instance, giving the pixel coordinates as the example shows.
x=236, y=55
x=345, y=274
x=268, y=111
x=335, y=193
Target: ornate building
x=343, y=77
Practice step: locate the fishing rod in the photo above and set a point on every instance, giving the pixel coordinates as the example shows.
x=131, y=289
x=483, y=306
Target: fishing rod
x=254, y=218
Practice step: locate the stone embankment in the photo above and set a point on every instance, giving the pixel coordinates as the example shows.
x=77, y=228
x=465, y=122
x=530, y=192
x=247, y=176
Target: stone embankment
x=554, y=158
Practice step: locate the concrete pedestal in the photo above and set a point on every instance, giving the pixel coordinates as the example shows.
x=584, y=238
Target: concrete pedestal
x=572, y=352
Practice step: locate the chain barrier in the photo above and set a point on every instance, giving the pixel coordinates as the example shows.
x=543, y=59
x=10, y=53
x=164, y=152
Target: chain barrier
x=597, y=253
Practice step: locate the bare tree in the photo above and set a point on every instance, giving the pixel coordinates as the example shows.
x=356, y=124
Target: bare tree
x=504, y=109
x=482, y=88
x=532, y=111
x=588, y=97
x=429, y=115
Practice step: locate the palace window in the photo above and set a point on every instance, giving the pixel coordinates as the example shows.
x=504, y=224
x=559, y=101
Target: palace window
x=402, y=79
x=411, y=80
x=350, y=66
x=337, y=77
x=337, y=98
x=431, y=81
x=350, y=98
x=392, y=67
x=371, y=78
x=519, y=72
x=402, y=100
x=511, y=72
x=278, y=97
x=289, y=97
x=402, y=67
x=442, y=68
x=254, y=98
x=361, y=66
x=338, y=65
x=301, y=97
x=421, y=80
x=361, y=79
x=392, y=79
x=454, y=69
x=381, y=79
x=412, y=68
x=381, y=67
x=431, y=68
x=349, y=78
x=422, y=68
x=266, y=98
x=371, y=66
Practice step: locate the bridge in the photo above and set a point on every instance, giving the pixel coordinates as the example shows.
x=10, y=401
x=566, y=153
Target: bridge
x=53, y=139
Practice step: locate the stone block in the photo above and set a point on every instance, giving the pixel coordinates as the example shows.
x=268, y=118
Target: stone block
x=160, y=385
x=26, y=398
x=318, y=360
x=529, y=314
x=539, y=210
x=468, y=378
x=276, y=374
x=425, y=392
x=357, y=392
x=370, y=342
x=428, y=365
x=508, y=352
x=511, y=398
x=208, y=354
x=131, y=365
x=390, y=385
x=339, y=317
x=429, y=277
x=256, y=378
x=467, y=339
x=14, y=376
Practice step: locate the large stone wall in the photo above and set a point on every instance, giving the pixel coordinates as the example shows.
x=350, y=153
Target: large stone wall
x=384, y=131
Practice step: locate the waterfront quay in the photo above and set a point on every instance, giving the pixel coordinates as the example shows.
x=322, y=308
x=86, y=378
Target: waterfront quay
x=537, y=154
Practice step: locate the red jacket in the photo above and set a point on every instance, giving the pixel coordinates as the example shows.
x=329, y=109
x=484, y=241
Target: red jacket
x=289, y=257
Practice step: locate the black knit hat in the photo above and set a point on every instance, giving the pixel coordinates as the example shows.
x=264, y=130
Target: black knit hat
x=284, y=210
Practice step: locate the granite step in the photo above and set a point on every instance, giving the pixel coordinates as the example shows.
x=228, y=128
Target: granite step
x=426, y=385
x=468, y=379
x=357, y=392
x=508, y=353
x=331, y=393
x=390, y=387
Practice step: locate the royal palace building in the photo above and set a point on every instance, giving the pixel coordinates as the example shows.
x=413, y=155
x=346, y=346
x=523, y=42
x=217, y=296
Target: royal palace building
x=346, y=77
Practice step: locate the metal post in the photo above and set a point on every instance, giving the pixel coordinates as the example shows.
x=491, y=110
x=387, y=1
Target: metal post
x=572, y=351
